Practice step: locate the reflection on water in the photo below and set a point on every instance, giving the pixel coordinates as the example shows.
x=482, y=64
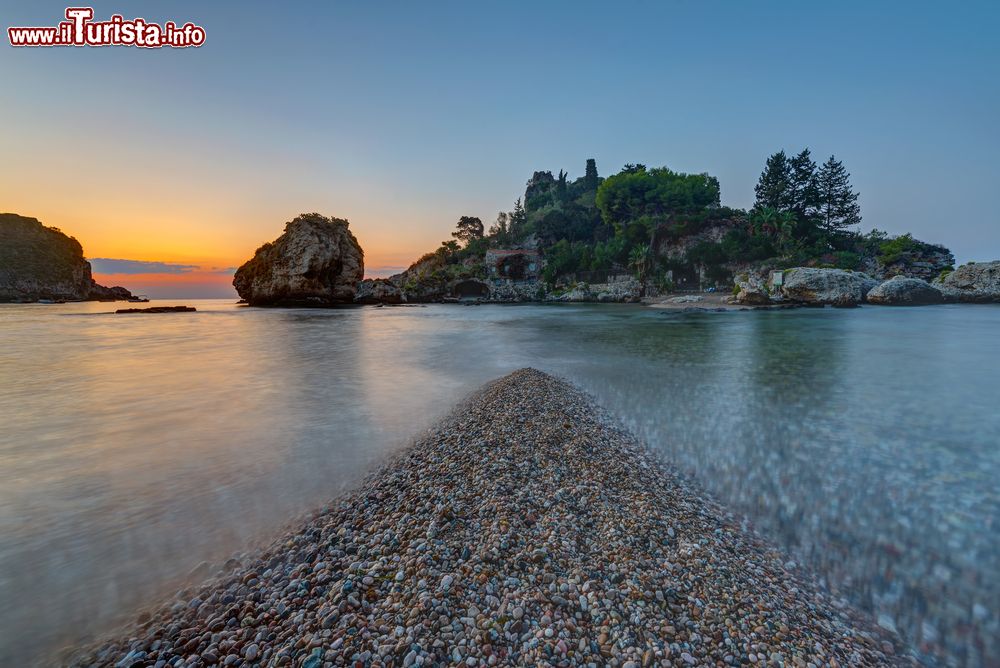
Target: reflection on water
x=134, y=447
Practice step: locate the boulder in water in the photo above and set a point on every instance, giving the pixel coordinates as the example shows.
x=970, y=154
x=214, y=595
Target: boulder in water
x=316, y=262
x=379, y=291
x=752, y=290
x=839, y=287
x=902, y=291
x=976, y=282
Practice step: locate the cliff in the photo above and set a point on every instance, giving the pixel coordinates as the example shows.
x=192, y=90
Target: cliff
x=39, y=262
x=316, y=262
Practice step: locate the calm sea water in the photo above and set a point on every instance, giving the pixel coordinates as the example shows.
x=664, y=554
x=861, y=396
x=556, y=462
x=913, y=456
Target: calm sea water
x=133, y=448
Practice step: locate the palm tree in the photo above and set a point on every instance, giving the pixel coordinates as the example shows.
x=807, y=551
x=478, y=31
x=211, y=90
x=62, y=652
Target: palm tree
x=638, y=259
x=777, y=225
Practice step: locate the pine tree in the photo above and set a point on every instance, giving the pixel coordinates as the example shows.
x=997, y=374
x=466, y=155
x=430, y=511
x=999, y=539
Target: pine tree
x=500, y=230
x=837, y=207
x=468, y=229
x=773, y=189
x=803, y=193
x=590, y=179
x=518, y=219
x=518, y=216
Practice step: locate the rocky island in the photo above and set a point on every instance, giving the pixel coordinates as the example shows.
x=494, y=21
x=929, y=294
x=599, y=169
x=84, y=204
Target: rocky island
x=315, y=262
x=39, y=262
x=641, y=235
x=527, y=529
x=646, y=233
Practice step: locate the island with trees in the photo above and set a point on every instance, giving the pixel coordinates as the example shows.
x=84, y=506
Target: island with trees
x=647, y=232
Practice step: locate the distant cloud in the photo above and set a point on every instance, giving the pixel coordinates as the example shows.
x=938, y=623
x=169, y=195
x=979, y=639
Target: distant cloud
x=382, y=272
x=103, y=265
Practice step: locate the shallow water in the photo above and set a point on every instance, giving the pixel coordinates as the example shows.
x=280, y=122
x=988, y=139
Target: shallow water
x=133, y=448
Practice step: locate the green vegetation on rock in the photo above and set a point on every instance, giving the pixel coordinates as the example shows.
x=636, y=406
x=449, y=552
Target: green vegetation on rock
x=668, y=230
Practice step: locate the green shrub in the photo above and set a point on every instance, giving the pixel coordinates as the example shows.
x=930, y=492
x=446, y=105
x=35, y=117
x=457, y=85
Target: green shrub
x=846, y=260
x=892, y=250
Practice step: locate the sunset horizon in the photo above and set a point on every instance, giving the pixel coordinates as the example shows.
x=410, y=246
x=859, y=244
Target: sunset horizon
x=182, y=171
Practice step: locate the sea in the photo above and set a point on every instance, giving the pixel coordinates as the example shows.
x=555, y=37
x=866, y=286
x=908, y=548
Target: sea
x=138, y=452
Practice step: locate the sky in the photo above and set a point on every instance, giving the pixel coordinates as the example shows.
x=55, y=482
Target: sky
x=172, y=166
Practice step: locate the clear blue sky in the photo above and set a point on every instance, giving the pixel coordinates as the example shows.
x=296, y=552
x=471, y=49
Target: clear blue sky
x=403, y=116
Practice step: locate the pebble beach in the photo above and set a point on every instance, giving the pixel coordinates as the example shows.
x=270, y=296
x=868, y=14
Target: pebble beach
x=525, y=529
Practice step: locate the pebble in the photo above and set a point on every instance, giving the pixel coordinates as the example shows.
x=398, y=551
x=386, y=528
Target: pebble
x=489, y=505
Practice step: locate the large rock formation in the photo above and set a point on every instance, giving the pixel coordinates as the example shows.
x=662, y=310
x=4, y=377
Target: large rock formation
x=838, y=287
x=976, y=282
x=902, y=291
x=38, y=262
x=316, y=262
x=752, y=289
x=379, y=291
x=909, y=257
x=433, y=276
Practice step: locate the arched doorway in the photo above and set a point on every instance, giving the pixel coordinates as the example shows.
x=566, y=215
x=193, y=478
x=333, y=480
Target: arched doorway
x=470, y=289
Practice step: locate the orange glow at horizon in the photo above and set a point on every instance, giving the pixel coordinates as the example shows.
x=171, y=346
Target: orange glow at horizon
x=209, y=201
x=191, y=284
x=219, y=240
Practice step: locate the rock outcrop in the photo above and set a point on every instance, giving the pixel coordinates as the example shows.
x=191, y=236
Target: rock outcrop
x=315, y=262
x=433, y=277
x=752, y=289
x=159, y=309
x=621, y=289
x=379, y=291
x=114, y=294
x=39, y=262
x=902, y=291
x=837, y=287
x=976, y=283
x=911, y=258
x=511, y=292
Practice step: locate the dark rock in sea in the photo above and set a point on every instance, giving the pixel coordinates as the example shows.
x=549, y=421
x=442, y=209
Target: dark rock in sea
x=378, y=291
x=316, y=262
x=976, y=282
x=39, y=262
x=158, y=309
x=115, y=294
x=901, y=291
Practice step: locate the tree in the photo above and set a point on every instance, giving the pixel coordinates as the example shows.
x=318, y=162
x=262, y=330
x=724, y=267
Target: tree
x=638, y=260
x=774, y=186
x=561, y=186
x=518, y=219
x=658, y=193
x=837, y=203
x=777, y=226
x=500, y=230
x=468, y=228
x=502, y=224
x=802, y=191
x=553, y=226
x=590, y=178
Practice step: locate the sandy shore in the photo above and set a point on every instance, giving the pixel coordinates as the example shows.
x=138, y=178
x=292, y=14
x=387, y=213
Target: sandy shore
x=525, y=529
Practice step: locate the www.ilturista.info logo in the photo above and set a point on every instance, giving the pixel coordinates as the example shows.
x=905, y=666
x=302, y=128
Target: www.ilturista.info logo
x=80, y=30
